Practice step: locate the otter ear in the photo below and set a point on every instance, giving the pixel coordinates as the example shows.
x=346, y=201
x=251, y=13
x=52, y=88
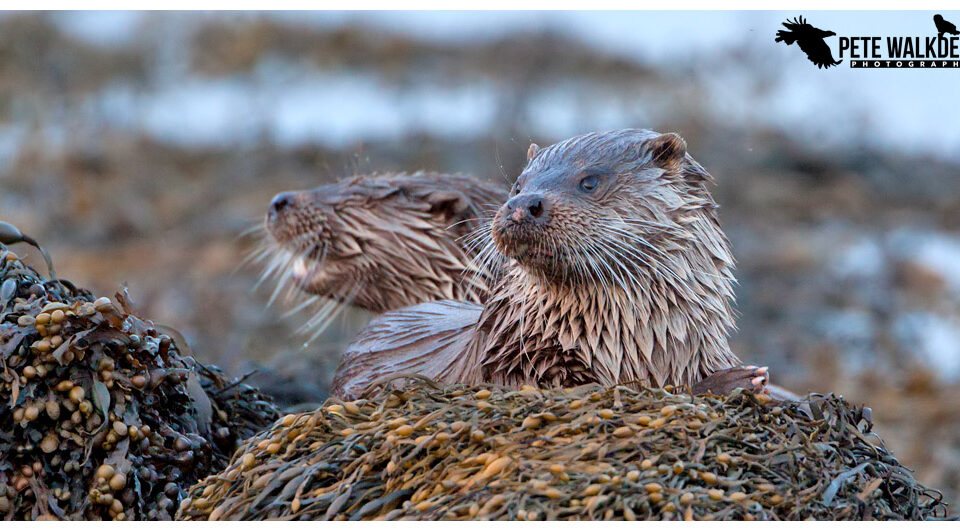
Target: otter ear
x=667, y=151
x=532, y=151
x=451, y=204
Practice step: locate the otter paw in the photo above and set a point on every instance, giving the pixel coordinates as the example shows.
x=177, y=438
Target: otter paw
x=724, y=382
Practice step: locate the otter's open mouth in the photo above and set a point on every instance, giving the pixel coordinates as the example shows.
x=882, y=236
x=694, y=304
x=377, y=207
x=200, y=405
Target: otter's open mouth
x=310, y=275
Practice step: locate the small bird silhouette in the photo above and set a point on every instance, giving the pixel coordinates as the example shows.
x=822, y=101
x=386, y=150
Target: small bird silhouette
x=944, y=26
x=810, y=41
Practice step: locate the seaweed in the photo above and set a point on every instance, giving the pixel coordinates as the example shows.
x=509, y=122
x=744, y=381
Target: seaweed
x=586, y=453
x=104, y=414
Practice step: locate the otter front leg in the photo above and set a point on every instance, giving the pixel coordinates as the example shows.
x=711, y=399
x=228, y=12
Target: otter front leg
x=723, y=382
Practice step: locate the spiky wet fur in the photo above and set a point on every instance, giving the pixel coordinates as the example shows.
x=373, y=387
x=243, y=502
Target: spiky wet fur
x=635, y=288
x=380, y=242
x=642, y=290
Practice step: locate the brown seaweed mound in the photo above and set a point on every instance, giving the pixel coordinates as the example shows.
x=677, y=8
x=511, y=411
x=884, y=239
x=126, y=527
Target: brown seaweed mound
x=103, y=414
x=465, y=452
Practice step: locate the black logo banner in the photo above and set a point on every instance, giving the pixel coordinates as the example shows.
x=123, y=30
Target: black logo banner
x=940, y=50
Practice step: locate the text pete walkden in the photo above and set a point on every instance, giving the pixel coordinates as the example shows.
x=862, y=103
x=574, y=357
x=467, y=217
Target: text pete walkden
x=901, y=52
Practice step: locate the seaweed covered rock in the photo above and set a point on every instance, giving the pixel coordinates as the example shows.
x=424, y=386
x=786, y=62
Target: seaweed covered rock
x=585, y=453
x=103, y=414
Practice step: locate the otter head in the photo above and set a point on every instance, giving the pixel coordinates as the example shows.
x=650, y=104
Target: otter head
x=313, y=237
x=597, y=207
x=378, y=242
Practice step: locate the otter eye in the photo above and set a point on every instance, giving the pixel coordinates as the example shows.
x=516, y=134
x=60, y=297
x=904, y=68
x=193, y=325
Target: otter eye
x=589, y=183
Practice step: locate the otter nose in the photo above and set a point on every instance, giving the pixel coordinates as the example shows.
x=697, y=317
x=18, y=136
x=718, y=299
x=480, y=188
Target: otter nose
x=281, y=202
x=526, y=207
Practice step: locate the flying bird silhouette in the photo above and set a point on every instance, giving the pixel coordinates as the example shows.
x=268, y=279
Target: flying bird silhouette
x=810, y=41
x=944, y=26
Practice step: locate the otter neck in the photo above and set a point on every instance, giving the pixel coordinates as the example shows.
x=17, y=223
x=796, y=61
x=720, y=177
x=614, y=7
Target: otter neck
x=427, y=265
x=668, y=325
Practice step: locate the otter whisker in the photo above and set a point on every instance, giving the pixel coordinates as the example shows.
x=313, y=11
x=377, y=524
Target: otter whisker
x=646, y=260
x=555, y=252
x=315, y=323
x=644, y=243
x=564, y=270
x=634, y=273
x=646, y=223
x=595, y=276
x=277, y=260
x=503, y=174
x=259, y=254
x=655, y=267
x=589, y=248
x=477, y=276
x=579, y=261
x=591, y=260
x=255, y=228
x=585, y=255
x=641, y=278
x=281, y=266
x=481, y=243
x=472, y=240
x=616, y=267
x=483, y=263
x=285, y=277
x=485, y=217
x=475, y=233
x=488, y=261
x=296, y=309
x=331, y=310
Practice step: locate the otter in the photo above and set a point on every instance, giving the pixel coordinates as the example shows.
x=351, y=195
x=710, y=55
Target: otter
x=380, y=242
x=616, y=272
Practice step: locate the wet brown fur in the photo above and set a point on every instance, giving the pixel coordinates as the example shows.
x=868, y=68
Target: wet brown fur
x=382, y=242
x=630, y=283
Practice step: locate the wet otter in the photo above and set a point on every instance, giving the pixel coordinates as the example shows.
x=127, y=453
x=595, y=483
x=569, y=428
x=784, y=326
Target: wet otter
x=380, y=242
x=619, y=272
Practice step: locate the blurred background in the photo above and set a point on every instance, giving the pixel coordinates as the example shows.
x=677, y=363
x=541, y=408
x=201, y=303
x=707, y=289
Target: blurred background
x=138, y=147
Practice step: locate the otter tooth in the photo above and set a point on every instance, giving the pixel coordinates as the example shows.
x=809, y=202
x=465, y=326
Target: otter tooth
x=300, y=267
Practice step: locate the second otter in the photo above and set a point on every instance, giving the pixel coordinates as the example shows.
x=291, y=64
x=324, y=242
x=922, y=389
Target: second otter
x=620, y=273
x=381, y=242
